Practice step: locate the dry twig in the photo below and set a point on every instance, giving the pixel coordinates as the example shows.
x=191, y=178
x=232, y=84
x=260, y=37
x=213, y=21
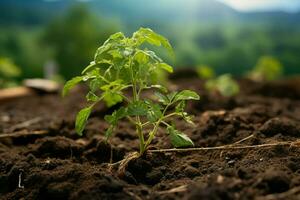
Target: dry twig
x=226, y=147
x=23, y=133
x=25, y=124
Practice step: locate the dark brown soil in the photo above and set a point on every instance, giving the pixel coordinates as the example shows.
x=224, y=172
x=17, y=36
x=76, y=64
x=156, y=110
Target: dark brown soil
x=61, y=165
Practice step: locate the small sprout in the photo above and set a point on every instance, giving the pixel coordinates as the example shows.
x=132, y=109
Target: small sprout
x=266, y=69
x=205, y=72
x=122, y=64
x=8, y=72
x=224, y=84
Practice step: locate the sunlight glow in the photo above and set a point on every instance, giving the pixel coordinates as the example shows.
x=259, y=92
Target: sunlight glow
x=264, y=5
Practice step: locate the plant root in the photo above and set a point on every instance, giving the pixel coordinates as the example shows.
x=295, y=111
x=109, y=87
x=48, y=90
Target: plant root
x=124, y=163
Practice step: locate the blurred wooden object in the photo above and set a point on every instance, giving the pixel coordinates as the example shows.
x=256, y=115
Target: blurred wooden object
x=42, y=85
x=30, y=88
x=12, y=93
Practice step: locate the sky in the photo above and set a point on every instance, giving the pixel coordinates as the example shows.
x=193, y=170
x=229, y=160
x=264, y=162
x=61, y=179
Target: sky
x=252, y=5
x=264, y=5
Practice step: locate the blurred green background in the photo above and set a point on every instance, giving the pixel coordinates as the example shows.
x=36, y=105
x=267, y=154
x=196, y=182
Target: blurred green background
x=227, y=35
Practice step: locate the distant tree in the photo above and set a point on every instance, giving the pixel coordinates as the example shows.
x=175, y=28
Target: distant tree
x=74, y=37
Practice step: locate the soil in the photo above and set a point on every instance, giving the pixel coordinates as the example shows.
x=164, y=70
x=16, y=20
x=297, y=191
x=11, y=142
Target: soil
x=62, y=165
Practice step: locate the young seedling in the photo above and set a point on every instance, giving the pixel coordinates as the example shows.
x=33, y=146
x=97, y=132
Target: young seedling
x=205, y=72
x=266, y=69
x=122, y=64
x=223, y=84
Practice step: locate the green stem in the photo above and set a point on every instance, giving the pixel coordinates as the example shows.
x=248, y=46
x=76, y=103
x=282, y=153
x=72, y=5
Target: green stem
x=155, y=129
x=136, y=94
x=141, y=138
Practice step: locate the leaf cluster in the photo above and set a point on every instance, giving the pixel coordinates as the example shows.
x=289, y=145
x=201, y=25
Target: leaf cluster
x=122, y=64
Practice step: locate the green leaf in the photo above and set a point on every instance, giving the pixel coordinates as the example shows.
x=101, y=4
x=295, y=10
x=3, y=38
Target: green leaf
x=147, y=35
x=115, y=53
x=180, y=107
x=111, y=98
x=186, y=95
x=137, y=108
x=70, y=84
x=89, y=67
x=154, y=112
x=159, y=87
x=113, y=120
x=116, y=116
x=91, y=96
x=81, y=119
x=141, y=57
x=153, y=56
x=117, y=36
x=179, y=139
x=188, y=118
x=166, y=67
x=162, y=98
x=114, y=85
x=96, y=84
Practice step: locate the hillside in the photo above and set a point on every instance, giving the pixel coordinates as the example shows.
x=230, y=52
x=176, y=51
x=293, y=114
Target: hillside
x=35, y=12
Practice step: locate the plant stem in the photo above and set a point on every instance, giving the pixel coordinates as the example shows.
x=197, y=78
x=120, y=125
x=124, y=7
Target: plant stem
x=155, y=129
x=141, y=138
x=136, y=97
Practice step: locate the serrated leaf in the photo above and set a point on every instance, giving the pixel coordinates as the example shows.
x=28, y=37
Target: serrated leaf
x=89, y=67
x=111, y=98
x=179, y=139
x=137, y=108
x=113, y=120
x=113, y=85
x=91, y=96
x=188, y=118
x=141, y=57
x=180, y=107
x=162, y=98
x=186, y=95
x=115, y=53
x=147, y=35
x=154, y=112
x=70, y=84
x=96, y=84
x=116, y=116
x=117, y=36
x=166, y=67
x=81, y=119
x=153, y=56
x=159, y=87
